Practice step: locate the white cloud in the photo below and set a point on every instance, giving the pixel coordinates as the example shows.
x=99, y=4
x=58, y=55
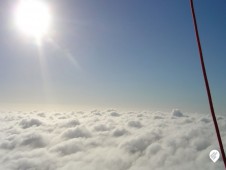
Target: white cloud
x=33, y=140
x=135, y=124
x=78, y=132
x=120, y=132
x=177, y=113
x=102, y=127
x=68, y=147
x=25, y=123
x=109, y=140
x=71, y=123
x=115, y=114
x=139, y=144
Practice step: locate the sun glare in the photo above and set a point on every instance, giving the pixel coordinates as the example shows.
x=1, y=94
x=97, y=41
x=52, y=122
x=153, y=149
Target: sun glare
x=33, y=18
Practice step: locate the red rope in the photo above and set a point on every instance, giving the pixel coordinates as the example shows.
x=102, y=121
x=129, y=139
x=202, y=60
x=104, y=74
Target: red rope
x=207, y=85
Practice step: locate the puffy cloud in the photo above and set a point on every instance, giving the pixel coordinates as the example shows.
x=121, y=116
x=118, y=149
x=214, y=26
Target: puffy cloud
x=108, y=140
x=120, y=132
x=68, y=147
x=27, y=123
x=205, y=120
x=158, y=117
x=177, y=113
x=139, y=144
x=115, y=114
x=135, y=124
x=102, y=127
x=33, y=140
x=8, y=145
x=200, y=144
x=41, y=114
x=71, y=123
x=78, y=132
x=38, y=159
x=153, y=149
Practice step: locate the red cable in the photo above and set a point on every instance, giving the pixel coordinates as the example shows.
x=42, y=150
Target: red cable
x=207, y=85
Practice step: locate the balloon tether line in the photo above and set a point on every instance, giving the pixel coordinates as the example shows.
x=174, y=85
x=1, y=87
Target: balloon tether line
x=207, y=84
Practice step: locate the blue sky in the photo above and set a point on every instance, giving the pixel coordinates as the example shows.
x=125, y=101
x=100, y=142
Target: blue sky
x=128, y=54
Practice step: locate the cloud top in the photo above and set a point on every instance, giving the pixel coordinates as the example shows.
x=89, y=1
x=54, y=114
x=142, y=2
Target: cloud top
x=108, y=140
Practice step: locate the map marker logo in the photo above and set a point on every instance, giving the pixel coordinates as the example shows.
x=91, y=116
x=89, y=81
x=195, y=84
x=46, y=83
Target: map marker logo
x=214, y=155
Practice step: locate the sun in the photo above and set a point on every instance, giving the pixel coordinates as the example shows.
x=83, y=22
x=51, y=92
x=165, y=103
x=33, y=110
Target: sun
x=33, y=18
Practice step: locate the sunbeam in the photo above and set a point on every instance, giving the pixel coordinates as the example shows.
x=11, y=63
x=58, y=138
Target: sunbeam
x=45, y=74
x=65, y=53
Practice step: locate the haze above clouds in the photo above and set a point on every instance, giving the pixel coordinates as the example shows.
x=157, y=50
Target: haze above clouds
x=108, y=140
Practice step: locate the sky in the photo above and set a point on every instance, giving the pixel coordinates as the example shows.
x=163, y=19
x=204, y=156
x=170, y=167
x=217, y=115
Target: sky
x=118, y=54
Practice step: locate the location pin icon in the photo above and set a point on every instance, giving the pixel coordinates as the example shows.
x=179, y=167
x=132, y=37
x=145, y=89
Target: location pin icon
x=214, y=155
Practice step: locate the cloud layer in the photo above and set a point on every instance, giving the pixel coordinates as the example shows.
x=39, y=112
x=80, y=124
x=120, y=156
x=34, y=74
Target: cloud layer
x=108, y=140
